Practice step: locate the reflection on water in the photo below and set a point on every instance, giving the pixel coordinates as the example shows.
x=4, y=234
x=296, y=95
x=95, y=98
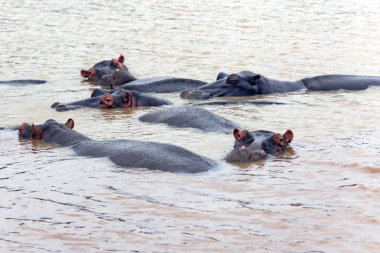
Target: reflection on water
x=321, y=197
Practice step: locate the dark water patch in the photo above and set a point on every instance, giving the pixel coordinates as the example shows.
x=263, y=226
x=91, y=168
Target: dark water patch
x=347, y=185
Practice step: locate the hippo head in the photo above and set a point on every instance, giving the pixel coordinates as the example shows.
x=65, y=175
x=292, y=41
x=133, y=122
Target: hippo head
x=107, y=67
x=116, y=79
x=244, y=83
x=119, y=99
x=32, y=131
x=252, y=146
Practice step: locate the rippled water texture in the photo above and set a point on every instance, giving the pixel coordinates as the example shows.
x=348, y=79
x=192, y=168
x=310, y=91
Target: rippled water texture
x=324, y=197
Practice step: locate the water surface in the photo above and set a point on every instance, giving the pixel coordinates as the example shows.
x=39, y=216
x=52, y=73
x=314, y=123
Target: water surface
x=323, y=197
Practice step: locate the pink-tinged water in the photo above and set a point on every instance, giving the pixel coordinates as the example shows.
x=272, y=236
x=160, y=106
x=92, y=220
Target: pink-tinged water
x=323, y=197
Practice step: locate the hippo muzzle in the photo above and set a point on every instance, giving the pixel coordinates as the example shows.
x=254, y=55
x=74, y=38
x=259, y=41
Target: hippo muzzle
x=195, y=94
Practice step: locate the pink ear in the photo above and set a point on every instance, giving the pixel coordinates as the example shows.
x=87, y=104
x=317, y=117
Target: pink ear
x=85, y=73
x=70, y=123
x=121, y=58
x=236, y=133
x=288, y=136
x=277, y=138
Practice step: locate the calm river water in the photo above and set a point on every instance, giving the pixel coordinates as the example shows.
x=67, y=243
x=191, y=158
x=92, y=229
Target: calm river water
x=325, y=197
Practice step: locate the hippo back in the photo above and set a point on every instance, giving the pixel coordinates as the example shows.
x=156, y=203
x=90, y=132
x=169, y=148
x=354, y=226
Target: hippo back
x=150, y=155
x=23, y=82
x=336, y=82
x=162, y=84
x=189, y=116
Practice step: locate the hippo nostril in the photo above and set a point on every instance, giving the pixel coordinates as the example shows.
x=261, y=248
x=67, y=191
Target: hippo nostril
x=107, y=100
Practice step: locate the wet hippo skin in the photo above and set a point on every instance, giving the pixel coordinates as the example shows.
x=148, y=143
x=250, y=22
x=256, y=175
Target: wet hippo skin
x=247, y=83
x=126, y=153
x=189, y=116
x=162, y=84
x=256, y=145
x=23, y=82
x=120, y=98
x=114, y=73
x=104, y=71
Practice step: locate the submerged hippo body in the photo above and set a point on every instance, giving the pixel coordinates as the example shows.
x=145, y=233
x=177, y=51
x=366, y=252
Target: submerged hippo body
x=115, y=74
x=108, y=72
x=23, y=82
x=247, y=83
x=126, y=153
x=162, y=84
x=189, y=116
x=118, y=99
x=256, y=145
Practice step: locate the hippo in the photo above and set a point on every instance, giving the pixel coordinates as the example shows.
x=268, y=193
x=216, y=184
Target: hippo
x=120, y=98
x=247, y=83
x=126, y=153
x=115, y=74
x=162, y=84
x=108, y=71
x=256, y=145
x=189, y=116
x=23, y=82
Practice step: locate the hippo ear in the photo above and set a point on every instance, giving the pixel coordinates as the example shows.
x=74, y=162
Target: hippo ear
x=21, y=129
x=127, y=96
x=85, y=73
x=288, y=136
x=254, y=78
x=278, y=138
x=221, y=75
x=70, y=123
x=33, y=128
x=121, y=58
x=236, y=133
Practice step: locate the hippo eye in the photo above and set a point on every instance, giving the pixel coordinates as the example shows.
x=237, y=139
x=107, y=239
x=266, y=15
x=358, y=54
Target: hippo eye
x=249, y=140
x=233, y=79
x=254, y=78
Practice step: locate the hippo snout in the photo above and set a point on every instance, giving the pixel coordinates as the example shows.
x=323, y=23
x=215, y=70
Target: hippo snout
x=60, y=107
x=195, y=94
x=54, y=105
x=239, y=155
x=107, y=80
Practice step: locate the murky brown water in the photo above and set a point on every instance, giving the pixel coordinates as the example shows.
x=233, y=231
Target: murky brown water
x=324, y=198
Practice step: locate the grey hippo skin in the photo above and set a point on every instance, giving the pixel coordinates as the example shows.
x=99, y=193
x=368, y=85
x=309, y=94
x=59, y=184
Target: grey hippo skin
x=23, y=82
x=161, y=84
x=105, y=71
x=118, y=99
x=256, y=145
x=246, y=83
x=189, y=116
x=126, y=153
x=115, y=74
